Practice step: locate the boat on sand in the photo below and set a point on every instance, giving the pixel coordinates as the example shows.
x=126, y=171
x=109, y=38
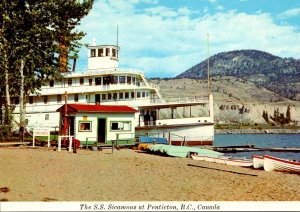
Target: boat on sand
x=180, y=151
x=282, y=165
x=258, y=161
x=233, y=161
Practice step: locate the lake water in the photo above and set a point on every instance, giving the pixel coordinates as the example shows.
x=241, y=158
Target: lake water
x=261, y=141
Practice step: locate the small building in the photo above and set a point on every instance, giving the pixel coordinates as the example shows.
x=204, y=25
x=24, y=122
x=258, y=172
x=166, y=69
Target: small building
x=99, y=124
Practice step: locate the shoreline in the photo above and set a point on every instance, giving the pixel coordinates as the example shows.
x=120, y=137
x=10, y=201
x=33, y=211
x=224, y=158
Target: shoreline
x=42, y=174
x=256, y=131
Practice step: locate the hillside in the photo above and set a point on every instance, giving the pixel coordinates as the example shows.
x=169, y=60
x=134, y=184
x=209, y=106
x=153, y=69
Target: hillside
x=280, y=75
x=228, y=100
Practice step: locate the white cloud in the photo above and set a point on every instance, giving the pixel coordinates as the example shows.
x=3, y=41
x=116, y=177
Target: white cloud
x=290, y=13
x=165, y=41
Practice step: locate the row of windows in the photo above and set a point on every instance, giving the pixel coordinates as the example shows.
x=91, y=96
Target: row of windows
x=104, y=80
x=125, y=95
x=86, y=126
x=58, y=98
x=104, y=52
x=109, y=96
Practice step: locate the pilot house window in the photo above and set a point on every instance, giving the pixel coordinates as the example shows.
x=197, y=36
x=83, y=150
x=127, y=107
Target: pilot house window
x=114, y=53
x=93, y=52
x=107, y=52
x=100, y=52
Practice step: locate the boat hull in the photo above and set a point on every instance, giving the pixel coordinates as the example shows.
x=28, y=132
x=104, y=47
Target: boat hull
x=224, y=160
x=193, y=134
x=258, y=161
x=277, y=164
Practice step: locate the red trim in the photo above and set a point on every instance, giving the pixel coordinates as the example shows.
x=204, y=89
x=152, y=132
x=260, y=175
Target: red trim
x=282, y=160
x=98, y=108
x=258, y=156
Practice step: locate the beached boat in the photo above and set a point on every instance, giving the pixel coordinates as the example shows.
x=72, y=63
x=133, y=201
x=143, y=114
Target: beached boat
x=278, y=164
x=104, y=83
x=233, y=161
x=181, y=151
x=258, y=161
x=239, y=162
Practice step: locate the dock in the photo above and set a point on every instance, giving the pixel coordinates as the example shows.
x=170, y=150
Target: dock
x=252, y=148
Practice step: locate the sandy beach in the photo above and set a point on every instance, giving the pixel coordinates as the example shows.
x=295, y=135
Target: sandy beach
x=43, y=174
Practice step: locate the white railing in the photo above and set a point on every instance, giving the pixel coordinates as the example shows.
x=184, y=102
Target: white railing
x=95, y=88
x=196, y=99
x=103, y=71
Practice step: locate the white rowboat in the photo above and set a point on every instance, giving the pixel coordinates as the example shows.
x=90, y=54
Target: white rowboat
x=277, y=164
x=225, y=160
x=258, y=161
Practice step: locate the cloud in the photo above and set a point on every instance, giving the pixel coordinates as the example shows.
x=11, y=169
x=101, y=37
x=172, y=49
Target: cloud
x=290, y=13
x=165, y=41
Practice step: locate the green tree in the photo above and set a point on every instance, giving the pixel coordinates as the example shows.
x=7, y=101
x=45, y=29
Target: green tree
x=31, y=37
x=288, y=114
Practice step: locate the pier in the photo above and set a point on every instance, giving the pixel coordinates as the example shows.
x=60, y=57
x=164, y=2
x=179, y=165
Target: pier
x=252, y=148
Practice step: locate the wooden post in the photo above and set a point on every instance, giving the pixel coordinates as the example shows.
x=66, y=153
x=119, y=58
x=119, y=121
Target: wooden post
x=59, y=143
x=70, y=143
x=49, y=139
x=112, y=147
x=65, y=116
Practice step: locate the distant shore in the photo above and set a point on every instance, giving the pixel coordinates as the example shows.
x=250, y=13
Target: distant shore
x=257, y=131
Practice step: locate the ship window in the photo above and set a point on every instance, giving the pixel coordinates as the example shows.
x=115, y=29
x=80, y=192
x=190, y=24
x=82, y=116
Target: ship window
x=46, y=116
x=143, y=94
x=93, y=52
x=90, y=81
x=51, y=83
x=122, y=79
x=120, y=125
x=133, y=80
x=104, y=96
x=109, y=96
x=98, y=81
x=100, y=52
x=115, y=96
x=116, y=79
x=81, y=81
x=31, y=100
x=76, y=97
x=85, y=126
x=114, y=53
x=132, y=95
x=106, y=80
x=126, y=95
x=58, y=98
x=69, y=82
x=128, y=80
x=45, y=99
x=138, y=94
x=121, y=95
x=107, y=51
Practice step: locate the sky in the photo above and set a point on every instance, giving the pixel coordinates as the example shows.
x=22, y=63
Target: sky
x=163, y=38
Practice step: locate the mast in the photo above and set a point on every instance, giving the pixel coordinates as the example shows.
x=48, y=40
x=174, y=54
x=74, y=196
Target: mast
x=208, y=70
x=117, y=35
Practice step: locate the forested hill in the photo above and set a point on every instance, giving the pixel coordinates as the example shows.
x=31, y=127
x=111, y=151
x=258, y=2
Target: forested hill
x=280, y=75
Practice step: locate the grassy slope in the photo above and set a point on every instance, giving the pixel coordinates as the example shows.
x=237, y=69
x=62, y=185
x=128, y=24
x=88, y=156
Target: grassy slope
x=231, y=91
